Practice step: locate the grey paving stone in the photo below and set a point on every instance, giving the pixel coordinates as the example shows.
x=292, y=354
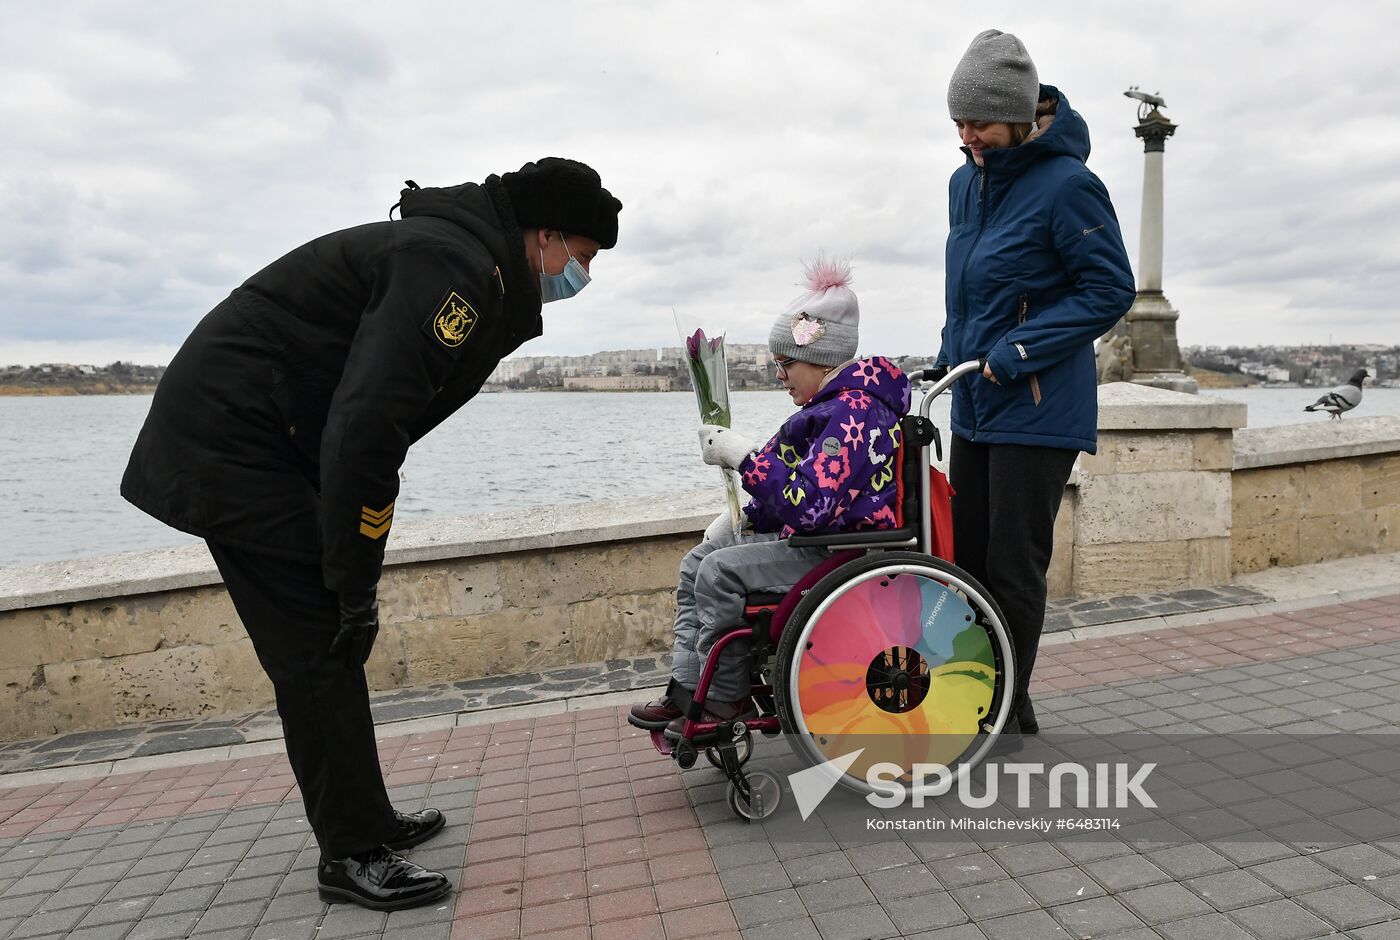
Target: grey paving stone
x=1377, y=932
x=1189, y=861
x=99, y=932
x=993, y=899
x=20, y=906
x=1229, y=890
x=304, y=928
x=42, y=922
x=960, y=932
x=152, y=864
x=179, y=900
x=810, y=869
x=880, y=856
x=1028, y=858
x=140, y=886
x=257, y=867
x=1060, y=886
x=1279, y=920
x=296, y=906
x=1097, y=917
x=905, y=881
x=63, y=861
x=196, y=875
x=1083, y=849
x=1296, y=875
x=186, y=842
x=166, y=927
x=1251, y=849
x=754, y=879
x=248, y=889
x=349, y=920
x=232, y=852
x=125, y=911
x=1029, y=925
x=924, y=912
x=802, y=928
x=120, y=852
x=742, y=853
x=1125, y=873
x=1159, y=904
x=834, y=895
x=194, y=825
x=246, y=835
x=1355, y=862
x=1205, y=927
x=1324, y=801
x=80, y=896
x=856, y=923
x=1347, y=907
x=35, y=884
x=966, y=870
x=767, y=908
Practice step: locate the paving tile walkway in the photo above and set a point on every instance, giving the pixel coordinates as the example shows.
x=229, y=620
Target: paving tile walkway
x=570, y=825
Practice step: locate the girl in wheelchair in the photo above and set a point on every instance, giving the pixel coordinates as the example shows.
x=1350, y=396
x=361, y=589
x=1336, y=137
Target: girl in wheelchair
x=830, y=468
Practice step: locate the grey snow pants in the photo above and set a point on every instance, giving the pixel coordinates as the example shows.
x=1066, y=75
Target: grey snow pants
x=715, y=577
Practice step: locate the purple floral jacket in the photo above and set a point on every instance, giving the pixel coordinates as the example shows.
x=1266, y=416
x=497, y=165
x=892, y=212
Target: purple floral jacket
x=831, y=466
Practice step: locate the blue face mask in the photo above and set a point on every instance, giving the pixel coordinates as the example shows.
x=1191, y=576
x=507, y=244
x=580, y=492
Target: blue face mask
x=566, y=283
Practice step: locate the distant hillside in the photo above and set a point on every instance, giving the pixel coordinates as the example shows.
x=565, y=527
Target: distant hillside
x=119, y=378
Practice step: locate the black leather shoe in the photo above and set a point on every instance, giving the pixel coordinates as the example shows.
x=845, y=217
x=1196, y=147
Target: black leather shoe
x=415, y=829
x=380, y=880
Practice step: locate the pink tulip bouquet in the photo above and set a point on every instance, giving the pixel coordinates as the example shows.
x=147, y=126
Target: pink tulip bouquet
x=704, y=358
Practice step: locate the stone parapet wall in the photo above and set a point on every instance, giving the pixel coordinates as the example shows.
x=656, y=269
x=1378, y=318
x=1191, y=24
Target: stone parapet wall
x=1152, y=508
x=1315, y=492
x=532, y=590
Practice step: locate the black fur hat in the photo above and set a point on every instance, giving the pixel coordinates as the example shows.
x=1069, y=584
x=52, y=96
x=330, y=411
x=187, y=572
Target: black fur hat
x=566, y=196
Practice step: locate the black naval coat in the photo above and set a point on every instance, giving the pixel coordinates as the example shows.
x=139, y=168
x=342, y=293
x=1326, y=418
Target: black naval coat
x=281, y=423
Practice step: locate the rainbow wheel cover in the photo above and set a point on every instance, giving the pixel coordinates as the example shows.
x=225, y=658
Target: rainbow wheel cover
x=897, y=665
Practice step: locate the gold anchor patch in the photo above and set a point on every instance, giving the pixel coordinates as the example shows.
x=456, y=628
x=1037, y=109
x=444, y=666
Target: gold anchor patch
x=454, y=321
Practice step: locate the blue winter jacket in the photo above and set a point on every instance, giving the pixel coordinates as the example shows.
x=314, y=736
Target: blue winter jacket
x=1036, y=271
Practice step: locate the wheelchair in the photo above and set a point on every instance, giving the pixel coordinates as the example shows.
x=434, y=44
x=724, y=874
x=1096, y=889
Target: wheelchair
x=883, y=650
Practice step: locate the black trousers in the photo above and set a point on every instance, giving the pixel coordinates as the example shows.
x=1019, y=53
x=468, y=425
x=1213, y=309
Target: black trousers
x=1004, y=506
x=291, y=617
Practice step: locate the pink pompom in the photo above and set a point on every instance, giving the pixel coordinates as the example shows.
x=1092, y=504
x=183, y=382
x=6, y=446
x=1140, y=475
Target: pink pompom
x=824, y=274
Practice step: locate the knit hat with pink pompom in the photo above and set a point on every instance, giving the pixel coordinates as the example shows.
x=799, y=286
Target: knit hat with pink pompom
x=822, y=326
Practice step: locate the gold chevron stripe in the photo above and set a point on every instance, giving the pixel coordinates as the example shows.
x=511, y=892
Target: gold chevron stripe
x=375, y=532
x=376, y=515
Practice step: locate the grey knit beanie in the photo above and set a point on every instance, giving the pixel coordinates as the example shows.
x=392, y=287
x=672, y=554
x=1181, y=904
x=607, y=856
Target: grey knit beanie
x=822, y=326
x=995, y=81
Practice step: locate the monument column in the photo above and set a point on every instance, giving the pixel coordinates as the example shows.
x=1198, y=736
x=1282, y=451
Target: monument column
x=1149, y=328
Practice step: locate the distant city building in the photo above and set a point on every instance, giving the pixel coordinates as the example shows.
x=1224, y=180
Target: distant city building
x=619, y=383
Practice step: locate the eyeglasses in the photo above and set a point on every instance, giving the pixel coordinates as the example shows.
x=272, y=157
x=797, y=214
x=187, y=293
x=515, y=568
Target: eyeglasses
x=783, y=364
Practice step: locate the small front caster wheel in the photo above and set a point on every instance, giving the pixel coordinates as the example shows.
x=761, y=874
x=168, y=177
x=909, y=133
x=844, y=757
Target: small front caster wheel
x=765, y=793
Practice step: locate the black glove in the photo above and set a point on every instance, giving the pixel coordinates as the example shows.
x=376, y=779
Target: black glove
x=359, y=625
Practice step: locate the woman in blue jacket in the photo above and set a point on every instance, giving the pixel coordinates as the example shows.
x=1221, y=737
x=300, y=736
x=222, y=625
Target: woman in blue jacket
x=1036, y=271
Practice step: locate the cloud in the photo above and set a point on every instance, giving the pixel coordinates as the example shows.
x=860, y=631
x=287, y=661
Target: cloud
x=163, y=154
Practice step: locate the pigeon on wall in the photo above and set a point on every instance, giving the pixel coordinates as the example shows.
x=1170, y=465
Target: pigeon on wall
x=1343, y=397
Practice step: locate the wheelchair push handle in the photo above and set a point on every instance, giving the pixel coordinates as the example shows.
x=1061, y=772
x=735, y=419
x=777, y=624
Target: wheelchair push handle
x=943, y=382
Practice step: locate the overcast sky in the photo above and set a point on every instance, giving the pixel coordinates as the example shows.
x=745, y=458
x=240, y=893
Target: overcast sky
x=156, y=154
